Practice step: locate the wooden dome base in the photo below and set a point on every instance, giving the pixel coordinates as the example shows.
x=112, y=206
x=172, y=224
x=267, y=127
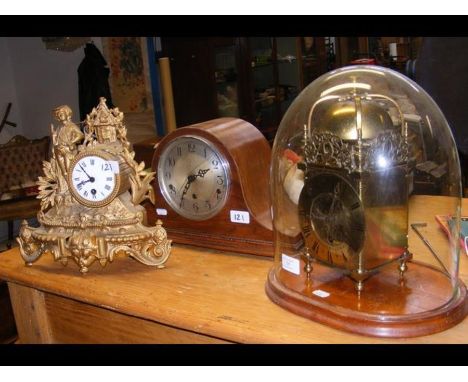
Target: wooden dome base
x=420, y=304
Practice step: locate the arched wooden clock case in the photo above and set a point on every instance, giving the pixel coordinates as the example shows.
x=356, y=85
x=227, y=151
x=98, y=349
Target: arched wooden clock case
x=247, y=162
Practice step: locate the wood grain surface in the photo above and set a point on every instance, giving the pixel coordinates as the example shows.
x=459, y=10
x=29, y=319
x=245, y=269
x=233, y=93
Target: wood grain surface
x=206, y=292
x=248, y=154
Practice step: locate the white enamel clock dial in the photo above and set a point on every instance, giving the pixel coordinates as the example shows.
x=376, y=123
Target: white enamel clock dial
x=94, y=180
x=193, y=177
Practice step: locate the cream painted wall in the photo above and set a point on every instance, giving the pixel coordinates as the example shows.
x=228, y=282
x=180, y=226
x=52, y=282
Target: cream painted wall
x=8, y=94
x=44, y=79
x=36, y=80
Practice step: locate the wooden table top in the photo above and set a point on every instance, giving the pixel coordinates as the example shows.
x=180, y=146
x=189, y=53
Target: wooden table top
x=204, y=291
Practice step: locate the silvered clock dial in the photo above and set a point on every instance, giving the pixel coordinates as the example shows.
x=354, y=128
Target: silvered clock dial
x=193, y=177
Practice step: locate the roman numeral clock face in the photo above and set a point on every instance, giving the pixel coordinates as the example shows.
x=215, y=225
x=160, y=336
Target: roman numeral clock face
x=332, y=219
x=193, y=177
x=94, y=180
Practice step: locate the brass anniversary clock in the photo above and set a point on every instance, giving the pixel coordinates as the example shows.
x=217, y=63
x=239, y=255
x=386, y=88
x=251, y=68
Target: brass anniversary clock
x=212, y=186
x=90, y=197
x=344, y=168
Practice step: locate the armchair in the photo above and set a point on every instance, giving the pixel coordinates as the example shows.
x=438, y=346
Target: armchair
x=20, y=165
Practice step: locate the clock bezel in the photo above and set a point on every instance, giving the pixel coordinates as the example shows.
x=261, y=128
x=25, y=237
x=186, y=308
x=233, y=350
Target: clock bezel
x=77, y=196
x=163, y=186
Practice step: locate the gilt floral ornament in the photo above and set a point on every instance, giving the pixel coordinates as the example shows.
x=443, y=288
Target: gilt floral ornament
x=72, y=229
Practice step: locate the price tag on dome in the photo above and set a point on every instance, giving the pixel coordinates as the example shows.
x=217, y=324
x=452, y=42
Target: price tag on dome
x=115, y=166
x=242, y=217
x=321, y=293
x=290, y=264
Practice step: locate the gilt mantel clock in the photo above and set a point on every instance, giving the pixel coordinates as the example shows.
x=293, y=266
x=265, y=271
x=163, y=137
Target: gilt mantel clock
x=90, y=197
x=212, y=186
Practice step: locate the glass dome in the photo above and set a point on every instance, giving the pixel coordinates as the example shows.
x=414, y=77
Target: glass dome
x=365, y=176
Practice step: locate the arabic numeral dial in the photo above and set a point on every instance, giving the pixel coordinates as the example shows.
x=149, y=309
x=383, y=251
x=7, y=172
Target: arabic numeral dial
x=194, y=177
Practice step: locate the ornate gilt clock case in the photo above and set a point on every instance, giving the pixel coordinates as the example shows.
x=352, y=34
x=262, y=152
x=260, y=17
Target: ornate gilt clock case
x=90, y=197
x=346, y=176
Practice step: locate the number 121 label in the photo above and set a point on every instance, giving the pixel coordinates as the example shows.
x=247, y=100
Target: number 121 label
x=242, y=217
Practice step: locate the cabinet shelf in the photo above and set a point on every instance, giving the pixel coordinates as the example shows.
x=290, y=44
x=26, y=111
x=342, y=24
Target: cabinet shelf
x=260, y=100
x=219, y=82
x=292, y=61
x=258, y=66
x=227, y=75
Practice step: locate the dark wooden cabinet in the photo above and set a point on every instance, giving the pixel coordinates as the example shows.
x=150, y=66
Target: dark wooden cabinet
x=392, y=52
x=253, y=78
x=257, y=78
x=192, y=70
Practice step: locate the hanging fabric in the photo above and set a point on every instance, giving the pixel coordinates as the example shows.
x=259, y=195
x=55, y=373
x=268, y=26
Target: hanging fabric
x=93, y=80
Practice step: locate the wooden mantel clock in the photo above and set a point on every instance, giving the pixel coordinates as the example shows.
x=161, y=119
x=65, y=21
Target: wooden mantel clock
x=90, y=197
x=212, y=186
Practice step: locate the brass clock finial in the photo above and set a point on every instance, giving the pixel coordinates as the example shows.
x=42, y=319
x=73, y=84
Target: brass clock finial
x=90, y=197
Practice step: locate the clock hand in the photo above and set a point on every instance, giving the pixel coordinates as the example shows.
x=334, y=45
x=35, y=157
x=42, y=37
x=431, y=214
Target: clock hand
x=204, y=160
x=91, y=179
x=83, y=182
x=198, y=165
x=201, y=173
x=331, y=221
x=336, y=197
x=190, y=179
